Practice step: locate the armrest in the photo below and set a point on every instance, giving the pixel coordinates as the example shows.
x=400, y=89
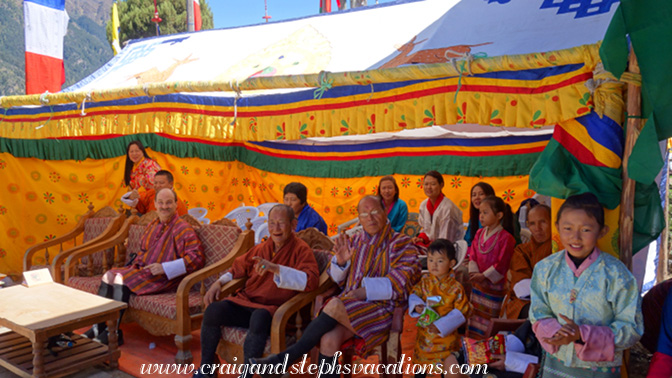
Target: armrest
x=531, y=371
x=72, y=234
x=292, y=306
x=119, y=238
x=344, y=226
x=58, y=261
x=243, y=244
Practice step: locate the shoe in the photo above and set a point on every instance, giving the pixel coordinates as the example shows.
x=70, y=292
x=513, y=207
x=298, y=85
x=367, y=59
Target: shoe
x=104, y=338
x=94, y=332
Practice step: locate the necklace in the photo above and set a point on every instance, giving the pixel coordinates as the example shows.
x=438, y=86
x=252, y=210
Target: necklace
x=482, y=241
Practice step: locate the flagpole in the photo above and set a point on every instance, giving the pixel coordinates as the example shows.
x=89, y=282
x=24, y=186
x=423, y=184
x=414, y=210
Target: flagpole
x=190, y=16
x=633, y=126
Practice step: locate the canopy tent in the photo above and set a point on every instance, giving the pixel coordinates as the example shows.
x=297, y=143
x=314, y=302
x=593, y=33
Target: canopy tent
x=229, y=113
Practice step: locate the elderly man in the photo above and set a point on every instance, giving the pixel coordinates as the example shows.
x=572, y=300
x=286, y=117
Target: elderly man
x=276, y=269
x=376, y=270
x=144, y=202
x=525, y=257
x=169, y=249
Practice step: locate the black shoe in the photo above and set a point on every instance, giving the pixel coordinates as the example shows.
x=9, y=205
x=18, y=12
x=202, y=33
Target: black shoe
x=270, y=360
x=104, y=338
x=94, y=331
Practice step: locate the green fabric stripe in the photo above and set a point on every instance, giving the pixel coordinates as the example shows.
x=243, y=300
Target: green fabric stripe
x=491, y=166
x=559, y=174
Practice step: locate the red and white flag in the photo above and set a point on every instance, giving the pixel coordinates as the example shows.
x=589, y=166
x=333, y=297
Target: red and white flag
x=197, y=15
x=46, y=24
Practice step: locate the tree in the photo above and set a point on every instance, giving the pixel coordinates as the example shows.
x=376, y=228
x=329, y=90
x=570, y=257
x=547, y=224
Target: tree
x=135, y=18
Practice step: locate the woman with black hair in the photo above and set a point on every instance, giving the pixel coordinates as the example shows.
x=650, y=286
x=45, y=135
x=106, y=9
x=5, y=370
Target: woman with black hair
x=478, y=192
x=140, y=168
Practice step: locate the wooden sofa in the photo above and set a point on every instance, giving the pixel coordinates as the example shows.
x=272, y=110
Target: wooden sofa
x=290, y=318
x=91, y=228
x=179, y=311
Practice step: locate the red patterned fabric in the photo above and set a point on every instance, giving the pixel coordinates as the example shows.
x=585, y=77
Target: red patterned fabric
x=88, y=284
x=92, y=228
x=134, y=239
x=217, y=241
x=236, y=335
x=323, y=258
x=165, y=304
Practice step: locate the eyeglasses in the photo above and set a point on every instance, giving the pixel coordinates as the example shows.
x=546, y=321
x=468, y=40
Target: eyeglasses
x=366, y=215
x=277, y=224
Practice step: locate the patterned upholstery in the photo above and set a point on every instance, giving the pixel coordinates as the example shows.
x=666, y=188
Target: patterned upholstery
x=134, y=238
x=236, y=335
x=88, y=284
x=217, y=242
x=164, y=304
x=323, y=258
x=92, y=228
x=411, y=228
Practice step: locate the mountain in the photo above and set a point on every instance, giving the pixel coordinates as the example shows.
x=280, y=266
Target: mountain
x=85, y=48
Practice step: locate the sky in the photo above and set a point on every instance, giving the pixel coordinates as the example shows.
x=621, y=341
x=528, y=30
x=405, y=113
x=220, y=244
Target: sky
x=232, y=13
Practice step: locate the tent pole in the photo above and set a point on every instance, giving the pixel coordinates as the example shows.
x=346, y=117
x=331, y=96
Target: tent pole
x=663, y=256
x=633, y=127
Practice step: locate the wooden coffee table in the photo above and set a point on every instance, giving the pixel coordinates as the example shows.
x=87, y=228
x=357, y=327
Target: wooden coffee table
x=32, y=315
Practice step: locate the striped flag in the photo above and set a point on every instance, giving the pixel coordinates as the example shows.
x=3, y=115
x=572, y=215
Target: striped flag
x=115, y=29
x=46, y=24
x=197, y=15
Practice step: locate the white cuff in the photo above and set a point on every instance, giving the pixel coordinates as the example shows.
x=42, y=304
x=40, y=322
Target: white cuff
x=473, y=267
x=514, y=344
x=337, y=273
x=225, y=278
x=450, y=322
x=518, y=361
x=377, y=288
x=414, y=300
x=492, y=274
x=127, y=201
x=522, y=288
x=174, y=268
x=290, y=278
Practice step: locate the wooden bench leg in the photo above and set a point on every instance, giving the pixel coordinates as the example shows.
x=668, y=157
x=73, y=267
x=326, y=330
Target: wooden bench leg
x=183, y=343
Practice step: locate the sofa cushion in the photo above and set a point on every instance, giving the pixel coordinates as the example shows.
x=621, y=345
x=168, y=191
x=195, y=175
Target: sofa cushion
x=217, y=242
x=236, y=335
x=165, y=304
x=88, y=284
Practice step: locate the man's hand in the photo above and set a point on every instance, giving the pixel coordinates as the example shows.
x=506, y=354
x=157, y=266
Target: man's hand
x=262, y=266
x=342, y=249
x=498, y=363
x=134, y=195
x=359, y=293
x=156, y=269
x=416, y=240
x=212, y=295
x=419, y=308
x=476, y=277
x=433, y=329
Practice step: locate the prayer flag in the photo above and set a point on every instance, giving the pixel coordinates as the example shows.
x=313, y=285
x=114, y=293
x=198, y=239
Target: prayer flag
x=197, y=15
x=46, y=23
x=115, y=29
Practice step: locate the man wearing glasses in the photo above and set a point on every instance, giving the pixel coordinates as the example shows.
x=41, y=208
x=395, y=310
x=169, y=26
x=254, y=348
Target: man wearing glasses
x=276, y=269
x=376, y=270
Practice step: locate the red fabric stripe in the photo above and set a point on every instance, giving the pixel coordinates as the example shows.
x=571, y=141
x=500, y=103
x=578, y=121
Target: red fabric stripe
x=571, y=144
x=43, y=73
x=197, y=16
x=308, y=108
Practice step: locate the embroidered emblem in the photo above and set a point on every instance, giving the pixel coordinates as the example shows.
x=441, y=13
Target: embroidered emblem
x=572, y=296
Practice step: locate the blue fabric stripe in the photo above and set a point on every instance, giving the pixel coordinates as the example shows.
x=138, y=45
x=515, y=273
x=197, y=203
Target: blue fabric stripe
x=407, y=143
x=604, y=131
x=55, y=4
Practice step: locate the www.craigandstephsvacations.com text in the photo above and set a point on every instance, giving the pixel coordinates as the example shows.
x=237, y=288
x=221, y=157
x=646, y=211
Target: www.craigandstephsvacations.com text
x=404, y=366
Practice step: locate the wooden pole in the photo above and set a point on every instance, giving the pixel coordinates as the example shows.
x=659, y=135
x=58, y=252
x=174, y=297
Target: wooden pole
x=662, y=269
x=633, y=126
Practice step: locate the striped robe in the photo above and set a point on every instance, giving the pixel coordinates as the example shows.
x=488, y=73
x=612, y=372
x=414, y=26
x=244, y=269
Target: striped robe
x=162, y=242
x=386, y=254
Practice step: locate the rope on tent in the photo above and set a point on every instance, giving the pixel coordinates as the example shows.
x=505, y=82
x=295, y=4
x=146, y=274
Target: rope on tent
x=371, y=95
x=43, y=98
x=323, y=83
x=465, y=66
x=631, y=78
x=51, y=114
x=87, y=97
x=236, y=89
